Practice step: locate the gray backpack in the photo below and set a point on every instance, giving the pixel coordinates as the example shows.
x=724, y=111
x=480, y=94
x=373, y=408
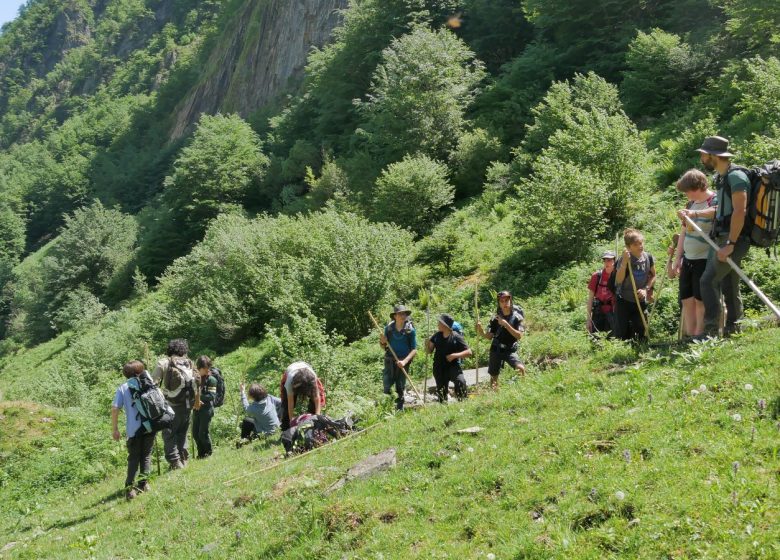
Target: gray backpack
x=178, y=380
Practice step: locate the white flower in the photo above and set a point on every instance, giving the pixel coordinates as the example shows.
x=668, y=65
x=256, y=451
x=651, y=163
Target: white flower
x=620, y=495
x=737, y=417
x=470, y=450
x=454, y=457
x=491, y=556
x=748, y=387
x=694, y=392
x=703, y=388
x=577, y=396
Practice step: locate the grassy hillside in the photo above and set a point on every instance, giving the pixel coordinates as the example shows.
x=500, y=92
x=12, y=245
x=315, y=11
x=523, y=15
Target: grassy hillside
x=598, y=457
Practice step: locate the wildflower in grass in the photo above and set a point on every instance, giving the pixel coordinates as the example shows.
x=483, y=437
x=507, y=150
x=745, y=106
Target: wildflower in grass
x=650, y=398
x=694, y=392
x=491, y=556
x=702, y=388
x=627, y=455
x=577, y=396
x=761, y=405
x=737, y=417
x=735, y=466
x=620, y=495
x=748, y=387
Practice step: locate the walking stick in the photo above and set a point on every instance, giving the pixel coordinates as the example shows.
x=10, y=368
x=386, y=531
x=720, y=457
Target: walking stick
x=395, y=357
x=476, y=342
x=675, y=239
x=427, y=330
x=772, y=307
x=156, y=447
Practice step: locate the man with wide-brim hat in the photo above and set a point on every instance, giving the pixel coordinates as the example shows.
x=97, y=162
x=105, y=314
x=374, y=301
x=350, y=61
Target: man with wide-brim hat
x=400, y=335
x=600, y=309
x=730, y=231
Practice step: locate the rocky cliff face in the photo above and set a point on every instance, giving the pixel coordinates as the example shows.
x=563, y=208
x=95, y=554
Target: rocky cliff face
x=258, y=58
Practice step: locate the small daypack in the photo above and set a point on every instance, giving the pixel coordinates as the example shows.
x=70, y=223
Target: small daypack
x=762, y=223
x=178, y=379
x=151, y=407
x=219, y=398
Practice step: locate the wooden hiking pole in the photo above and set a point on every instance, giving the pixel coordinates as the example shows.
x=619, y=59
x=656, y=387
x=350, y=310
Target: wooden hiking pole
x=427, y=330
x=675, y=239
x=772, y=307
x=476, y=342
x=156, y=447
x=395, y=357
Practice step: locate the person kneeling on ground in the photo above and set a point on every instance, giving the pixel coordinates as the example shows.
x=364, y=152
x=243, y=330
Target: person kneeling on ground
x=299, y=382
x=629, y=323
x=262, y=415
x=204, y=407
x=504, y=330
x=139, y=443
x=600, y=309
x=402, y=338
x=449, y=348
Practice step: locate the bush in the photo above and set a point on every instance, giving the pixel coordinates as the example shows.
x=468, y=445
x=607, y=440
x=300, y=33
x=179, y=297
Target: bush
x=662, y=72
x=412, y=193
x=470, y=160
x=561, y=210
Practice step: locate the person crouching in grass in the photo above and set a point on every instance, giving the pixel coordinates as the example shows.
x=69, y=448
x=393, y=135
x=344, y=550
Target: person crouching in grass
x=262, y=414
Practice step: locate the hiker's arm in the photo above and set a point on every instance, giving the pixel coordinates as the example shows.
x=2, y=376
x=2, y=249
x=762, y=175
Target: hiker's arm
x=115, y=423
x=244, y=400
x=405, y=362
x=382, y=340
x=290, y=404
x=517, y=333
x=458, y=355
x=650, y=279
x=739, y=201
x=317, y=402
x=428, y=345
x=620, y=272
x=675, y=270
x=481, y=332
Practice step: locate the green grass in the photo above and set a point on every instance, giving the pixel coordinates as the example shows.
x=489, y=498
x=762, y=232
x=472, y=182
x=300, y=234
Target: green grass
x=542, y=479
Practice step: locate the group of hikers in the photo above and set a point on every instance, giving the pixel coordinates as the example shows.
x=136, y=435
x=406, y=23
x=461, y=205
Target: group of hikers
x=179, y=393
x=620, y=293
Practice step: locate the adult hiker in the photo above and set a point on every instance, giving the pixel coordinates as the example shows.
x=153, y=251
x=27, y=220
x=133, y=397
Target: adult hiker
x=204, y=407
x=176, y=377
x=504, y=330
x=139, y=441
x=262, y=414
x=600, y=309
x=692, y=250
x=632, y=287
x=730, y=231
x=400, y=334
x=299, y=383
x=449, y=348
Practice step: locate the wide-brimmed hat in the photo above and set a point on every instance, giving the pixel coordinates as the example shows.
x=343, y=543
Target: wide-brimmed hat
x=608, y=255
x=400, y=309
x=716, y=146
x=446, y=320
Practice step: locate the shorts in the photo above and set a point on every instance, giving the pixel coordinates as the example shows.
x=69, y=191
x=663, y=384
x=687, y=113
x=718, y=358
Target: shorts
x=498, y=357
x=690, y=278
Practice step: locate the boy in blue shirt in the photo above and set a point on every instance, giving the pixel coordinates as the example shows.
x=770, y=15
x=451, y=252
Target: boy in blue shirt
x=402, y=338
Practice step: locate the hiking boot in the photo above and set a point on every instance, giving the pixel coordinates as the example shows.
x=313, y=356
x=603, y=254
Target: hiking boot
x=143, y=486
x=131, y=494
x=175, y=465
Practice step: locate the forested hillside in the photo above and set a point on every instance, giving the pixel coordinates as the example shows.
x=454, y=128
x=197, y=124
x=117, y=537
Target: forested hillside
x=257, y=175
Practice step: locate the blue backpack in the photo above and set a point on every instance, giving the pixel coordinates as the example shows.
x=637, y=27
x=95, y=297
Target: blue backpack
x=150, y=404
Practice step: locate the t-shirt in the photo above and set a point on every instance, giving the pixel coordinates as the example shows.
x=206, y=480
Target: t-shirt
x=402, y=342
x=694, y=246
x=601, y=289
x=208, y=390
x=264, y=414
x=123, y=399
x=641, y=268
x=291, y=371
x=739, y=182
x=500, y=334
x=443, y=346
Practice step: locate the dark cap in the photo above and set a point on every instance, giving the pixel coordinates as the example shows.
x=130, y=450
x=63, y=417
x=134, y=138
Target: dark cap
x=505, y=293
x=400, y=309
x=716, y=146
x=446, y=320
x=608, y=255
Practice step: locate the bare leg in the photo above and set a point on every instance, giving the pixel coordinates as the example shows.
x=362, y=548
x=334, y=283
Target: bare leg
x=689, y=310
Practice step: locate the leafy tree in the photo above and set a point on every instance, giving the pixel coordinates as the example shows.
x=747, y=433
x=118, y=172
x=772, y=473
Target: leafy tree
x=662, y=72
x=475, y=151
x=756, y=22
x=418, y=95
x=413, y=192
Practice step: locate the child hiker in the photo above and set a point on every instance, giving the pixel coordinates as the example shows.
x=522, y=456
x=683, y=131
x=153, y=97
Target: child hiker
x=204, y=407
x=449, y=347
x=262, y=415
x=631, y=309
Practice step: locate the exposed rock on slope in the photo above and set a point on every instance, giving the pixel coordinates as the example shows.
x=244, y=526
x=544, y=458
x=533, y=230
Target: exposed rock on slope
x=263, y=50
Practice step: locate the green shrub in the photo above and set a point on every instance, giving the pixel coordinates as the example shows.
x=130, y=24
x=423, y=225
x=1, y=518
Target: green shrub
x=412, y=193
x=475, y=151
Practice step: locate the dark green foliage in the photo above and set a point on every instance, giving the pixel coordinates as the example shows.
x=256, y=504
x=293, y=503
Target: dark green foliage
x=413, y=193
x=663, y=72
x=755, y=22
x=469, y=161
x=247, y=273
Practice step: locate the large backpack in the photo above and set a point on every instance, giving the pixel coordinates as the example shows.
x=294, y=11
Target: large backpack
x=762, y=223
x=178, y=379
x=151, y=407
x=219, y=398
